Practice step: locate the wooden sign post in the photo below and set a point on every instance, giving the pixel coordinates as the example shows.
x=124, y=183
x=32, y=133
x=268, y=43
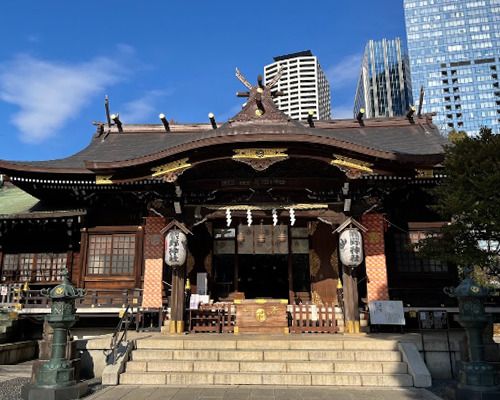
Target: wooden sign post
x=351, y=256
x=175, y=257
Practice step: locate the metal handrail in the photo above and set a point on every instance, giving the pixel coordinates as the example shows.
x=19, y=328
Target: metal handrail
x=120, y=335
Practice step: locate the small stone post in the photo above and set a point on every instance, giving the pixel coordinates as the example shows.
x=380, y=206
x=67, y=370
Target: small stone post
x=56, y=378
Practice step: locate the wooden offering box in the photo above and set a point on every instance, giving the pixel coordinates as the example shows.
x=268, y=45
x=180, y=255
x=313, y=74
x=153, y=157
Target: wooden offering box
x=261, y=316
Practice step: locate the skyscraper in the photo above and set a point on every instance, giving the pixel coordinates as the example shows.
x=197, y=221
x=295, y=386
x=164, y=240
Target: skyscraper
x=384, y=86
x=303, y=83
x=454, y=49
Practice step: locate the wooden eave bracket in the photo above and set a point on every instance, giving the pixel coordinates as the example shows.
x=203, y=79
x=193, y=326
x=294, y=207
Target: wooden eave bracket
x=350, y=221
x=177, y=224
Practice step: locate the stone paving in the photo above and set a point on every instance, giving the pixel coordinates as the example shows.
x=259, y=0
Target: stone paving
x=22, y=370
x=12, y=378
x=129, y=392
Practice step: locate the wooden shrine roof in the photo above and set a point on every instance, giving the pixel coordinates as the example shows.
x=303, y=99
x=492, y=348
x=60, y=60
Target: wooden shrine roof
x=413, y=140
x=388, y=138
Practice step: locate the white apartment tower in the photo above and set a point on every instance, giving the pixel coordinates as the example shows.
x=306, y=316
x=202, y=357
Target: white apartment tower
x=303, y=83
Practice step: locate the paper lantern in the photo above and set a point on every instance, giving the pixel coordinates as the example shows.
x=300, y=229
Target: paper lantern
x=175, y=248
x=351, y=247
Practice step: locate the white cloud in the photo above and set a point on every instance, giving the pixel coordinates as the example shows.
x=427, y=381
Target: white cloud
x=143, y=108
x=50, y=93
x=342, y=112
x=345, y=72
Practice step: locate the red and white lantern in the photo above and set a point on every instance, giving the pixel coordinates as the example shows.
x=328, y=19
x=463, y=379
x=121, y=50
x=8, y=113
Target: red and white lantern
x=175, y=248
x=351, y=247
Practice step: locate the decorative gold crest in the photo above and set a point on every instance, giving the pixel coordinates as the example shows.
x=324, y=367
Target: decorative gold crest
x=59, y=290
x=260, y=315
x=260, y=159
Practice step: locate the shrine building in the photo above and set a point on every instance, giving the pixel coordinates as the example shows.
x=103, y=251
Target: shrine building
x=262, y=201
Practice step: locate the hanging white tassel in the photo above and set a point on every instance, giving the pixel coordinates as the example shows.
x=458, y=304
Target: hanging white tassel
x=249, y=217
x=275, y=217
x=292, y=216
x=228, y=217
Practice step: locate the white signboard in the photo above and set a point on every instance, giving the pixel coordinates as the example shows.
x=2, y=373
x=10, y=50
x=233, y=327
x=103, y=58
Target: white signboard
x=196, y=299
x=4, y=290
x=386, y=313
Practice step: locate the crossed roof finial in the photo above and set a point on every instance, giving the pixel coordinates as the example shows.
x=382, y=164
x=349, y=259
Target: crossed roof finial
x=249, y=86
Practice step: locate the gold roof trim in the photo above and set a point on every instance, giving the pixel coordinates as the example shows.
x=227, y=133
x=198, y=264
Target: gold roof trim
x=173, y=166
x=352, y=163
x=103, y=179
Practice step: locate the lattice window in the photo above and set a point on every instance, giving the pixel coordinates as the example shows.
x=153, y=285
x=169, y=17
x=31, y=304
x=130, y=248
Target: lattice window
x=48, y=266
x=38, y=267
x=44, y=263
x=58, y=264
x=407, y=259
x=122, y=261
x=10, y=265
x=26, y=261
x=111, y=254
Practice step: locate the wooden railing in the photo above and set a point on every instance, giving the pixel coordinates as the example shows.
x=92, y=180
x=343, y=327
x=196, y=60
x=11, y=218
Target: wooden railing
x=213, y=318
x=14, y=295
x=111, y=298
x=221, y=318
x=312, y=319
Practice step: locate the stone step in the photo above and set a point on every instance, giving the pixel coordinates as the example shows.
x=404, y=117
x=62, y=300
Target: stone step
x=248, y=378
x=386, y=367
x=267, y=344
x=267, y=355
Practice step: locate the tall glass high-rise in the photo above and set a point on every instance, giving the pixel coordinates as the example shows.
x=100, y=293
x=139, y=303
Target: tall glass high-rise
x=384, y=85
x=454, y=49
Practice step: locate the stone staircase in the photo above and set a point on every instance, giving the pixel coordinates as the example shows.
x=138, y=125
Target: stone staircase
x=8, y=321
x=260, y=360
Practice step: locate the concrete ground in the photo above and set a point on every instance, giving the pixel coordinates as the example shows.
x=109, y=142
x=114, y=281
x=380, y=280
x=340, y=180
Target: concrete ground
x=130, y=392
x=12, y=378
x=22, y=370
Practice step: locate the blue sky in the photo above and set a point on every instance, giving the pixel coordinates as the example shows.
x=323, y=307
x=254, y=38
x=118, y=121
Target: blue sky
x=58, y=59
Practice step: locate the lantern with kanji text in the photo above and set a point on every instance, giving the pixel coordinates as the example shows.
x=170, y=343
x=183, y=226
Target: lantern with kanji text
x=175, y=248
x=351, y=247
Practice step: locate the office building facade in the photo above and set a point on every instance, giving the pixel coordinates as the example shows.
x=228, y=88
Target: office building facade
x=384, y=85
x=303, y=83
x=454, y=49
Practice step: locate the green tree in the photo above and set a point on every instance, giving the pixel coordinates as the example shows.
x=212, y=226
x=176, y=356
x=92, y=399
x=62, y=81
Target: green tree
x=470, y=199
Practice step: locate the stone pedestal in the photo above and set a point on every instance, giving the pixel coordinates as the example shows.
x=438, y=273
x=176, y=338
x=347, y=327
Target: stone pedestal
x=473, y=393
x=35, y=392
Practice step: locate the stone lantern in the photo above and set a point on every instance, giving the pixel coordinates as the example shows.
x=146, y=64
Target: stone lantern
x=477, y=378
x=56, y=378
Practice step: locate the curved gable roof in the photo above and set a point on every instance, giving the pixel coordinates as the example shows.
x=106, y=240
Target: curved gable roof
x=394, y=139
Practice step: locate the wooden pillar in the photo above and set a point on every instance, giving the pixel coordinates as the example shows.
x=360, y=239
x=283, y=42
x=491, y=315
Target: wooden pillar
x=77, y=279
x=177, y=298
x=351, y=303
